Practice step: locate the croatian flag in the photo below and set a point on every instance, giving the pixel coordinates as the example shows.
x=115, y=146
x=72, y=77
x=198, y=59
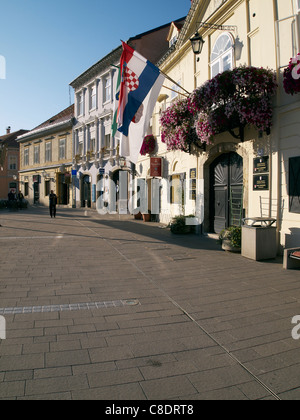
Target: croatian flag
x=140, y=86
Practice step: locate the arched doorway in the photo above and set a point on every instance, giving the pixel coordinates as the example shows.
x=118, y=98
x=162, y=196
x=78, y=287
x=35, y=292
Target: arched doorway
x=226, y=186
x=86, y=192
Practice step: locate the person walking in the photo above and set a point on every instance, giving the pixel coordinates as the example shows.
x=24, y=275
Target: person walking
x=11, y=199
x=20, y=198
x=52, y=203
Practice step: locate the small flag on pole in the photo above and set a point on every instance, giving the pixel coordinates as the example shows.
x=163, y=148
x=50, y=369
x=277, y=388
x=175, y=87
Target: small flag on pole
x=140, y=85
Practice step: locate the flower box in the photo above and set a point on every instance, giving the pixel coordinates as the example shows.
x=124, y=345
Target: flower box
x=233, y=99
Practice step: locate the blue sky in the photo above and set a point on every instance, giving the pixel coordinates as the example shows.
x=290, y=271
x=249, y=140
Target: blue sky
x=47, y=44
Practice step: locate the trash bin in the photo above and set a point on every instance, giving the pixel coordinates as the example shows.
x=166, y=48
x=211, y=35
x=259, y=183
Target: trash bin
x=259, y=238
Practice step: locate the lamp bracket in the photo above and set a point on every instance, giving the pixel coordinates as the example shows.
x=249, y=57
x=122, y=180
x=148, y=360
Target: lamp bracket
x=218, y=27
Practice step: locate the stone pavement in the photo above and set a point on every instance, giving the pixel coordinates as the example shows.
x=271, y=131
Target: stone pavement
x=110, y=308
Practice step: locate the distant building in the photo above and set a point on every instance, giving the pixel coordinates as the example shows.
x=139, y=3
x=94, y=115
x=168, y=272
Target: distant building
x=46, y=160
x=9, y=162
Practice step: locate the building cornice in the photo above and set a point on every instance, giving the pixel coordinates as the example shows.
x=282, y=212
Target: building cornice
x=97, y=68
x=41, y=132
x=44, y=168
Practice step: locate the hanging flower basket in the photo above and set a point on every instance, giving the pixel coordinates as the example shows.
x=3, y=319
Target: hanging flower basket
x=291, y=76
x=148, y=145
x=177, y=122
x=231, y=100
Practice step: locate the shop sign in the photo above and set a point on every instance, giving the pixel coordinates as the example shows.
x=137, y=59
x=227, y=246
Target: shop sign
x=155, y=167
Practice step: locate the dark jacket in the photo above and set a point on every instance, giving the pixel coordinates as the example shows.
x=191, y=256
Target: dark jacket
x=52, y=199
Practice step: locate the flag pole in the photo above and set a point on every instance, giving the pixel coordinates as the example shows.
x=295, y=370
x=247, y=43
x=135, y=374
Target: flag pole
x=173, y=81
x=176, y=91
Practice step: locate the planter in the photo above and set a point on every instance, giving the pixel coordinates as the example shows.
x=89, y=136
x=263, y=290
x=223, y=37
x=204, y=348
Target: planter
x=227, y=246
x=146, y=217
x=230, y=239
x=138, y=216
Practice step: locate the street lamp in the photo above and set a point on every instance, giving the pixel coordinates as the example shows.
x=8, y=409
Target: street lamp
x=197, y=43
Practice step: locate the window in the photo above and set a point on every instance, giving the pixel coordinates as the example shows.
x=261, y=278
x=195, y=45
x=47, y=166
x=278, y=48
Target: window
x=80, y=148
x=36, y=155
x=93, y=96
x=62, y=149
x=92, y=145
x=48, y=152
x=222, y=57
x=172, y=41
x=47, y=188
x=26, y=189
x=175, y=90
x=13, y=162
x=107, y=89
x=80, y=103
x=107, y=141
x=26, y=156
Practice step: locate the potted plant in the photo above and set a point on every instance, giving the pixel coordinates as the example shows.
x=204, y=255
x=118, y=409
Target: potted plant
x=138, y=216
x=147, y=216
x=230, y=239
x=179, y=226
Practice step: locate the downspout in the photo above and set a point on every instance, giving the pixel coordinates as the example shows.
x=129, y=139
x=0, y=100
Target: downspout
x=277, y=57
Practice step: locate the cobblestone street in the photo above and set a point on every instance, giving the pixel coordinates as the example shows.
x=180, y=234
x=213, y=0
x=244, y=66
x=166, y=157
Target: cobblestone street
x=111, y=308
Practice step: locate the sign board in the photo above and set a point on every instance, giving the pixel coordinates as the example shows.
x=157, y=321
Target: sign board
x=261, y=165
x=193, y=173
x=74, y=172
x=260, y=182
x=156, y=167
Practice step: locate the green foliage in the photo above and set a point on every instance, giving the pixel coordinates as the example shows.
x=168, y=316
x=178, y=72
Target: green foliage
x=178, y=225
x=233, y=234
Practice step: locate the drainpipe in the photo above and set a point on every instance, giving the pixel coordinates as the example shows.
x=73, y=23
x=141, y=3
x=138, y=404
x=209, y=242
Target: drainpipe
x=199, y=227
x=276, y=118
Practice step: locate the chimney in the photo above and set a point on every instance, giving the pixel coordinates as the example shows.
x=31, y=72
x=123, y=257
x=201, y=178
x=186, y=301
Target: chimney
x=8, y=130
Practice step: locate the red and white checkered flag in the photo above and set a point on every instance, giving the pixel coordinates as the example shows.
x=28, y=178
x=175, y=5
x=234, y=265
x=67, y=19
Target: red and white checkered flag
x=131, y=80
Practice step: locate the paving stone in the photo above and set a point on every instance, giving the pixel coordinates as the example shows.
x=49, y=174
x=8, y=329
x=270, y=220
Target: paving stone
x=168, y=388
x=66, y=358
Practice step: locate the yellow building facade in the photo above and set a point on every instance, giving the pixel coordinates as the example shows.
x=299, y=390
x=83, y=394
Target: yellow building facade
x=46, y=155
x=262, y=168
